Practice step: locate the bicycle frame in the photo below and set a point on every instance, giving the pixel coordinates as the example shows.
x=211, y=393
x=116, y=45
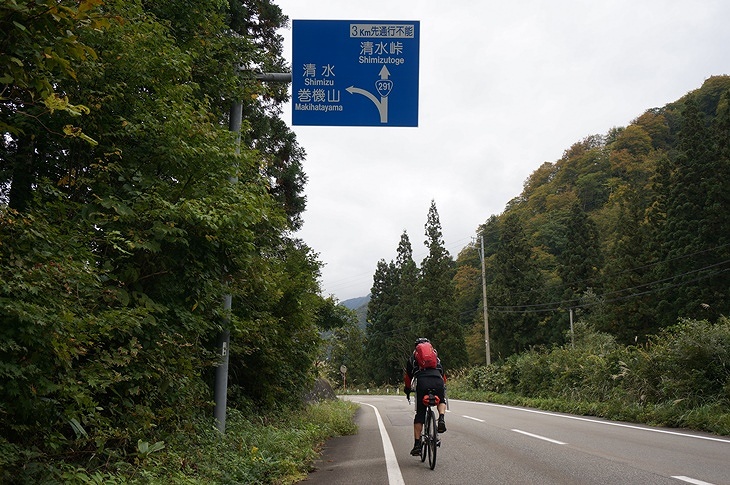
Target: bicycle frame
x=430, y=441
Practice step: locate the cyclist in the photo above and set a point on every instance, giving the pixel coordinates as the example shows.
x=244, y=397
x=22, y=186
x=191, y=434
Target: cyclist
x=426, y=378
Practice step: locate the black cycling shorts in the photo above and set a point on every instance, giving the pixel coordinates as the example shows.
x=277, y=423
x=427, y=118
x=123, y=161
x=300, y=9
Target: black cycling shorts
x=423, y=384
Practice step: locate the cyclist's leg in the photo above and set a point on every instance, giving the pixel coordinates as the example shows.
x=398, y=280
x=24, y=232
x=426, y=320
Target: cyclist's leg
x=420, y=416
x=442, y=418
x=417, y=429
x=441, y=393
x=418, y=420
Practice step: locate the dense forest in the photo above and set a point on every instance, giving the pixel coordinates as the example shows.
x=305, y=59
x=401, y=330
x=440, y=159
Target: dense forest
x=628, y=231
x=128, y=210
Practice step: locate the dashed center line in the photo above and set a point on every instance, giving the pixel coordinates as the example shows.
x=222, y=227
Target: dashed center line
x=473, y=419
x=683, y=478
x=538, y=437
x=691, y=480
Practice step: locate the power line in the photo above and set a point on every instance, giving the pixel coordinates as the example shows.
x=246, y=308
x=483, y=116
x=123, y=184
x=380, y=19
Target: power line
x=610, y=275
x=576, y=302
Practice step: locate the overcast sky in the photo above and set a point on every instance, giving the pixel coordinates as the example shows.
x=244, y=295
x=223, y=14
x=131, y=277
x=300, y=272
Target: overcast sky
x=504, y=86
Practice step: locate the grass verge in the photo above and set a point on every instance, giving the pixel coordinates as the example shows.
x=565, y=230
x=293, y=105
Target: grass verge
x=278, y=450
x=274, y=449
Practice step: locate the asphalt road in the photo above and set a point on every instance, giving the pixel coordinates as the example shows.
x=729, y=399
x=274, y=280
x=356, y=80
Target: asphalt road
x=488, y=443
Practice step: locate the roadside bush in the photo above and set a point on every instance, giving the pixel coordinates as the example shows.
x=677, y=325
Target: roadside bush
x=487, y=378
x=681, y=377
x=690, y=362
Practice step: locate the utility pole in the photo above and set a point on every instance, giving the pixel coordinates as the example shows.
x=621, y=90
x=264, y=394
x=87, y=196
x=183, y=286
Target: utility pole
x=484, y=297
x=220, y=394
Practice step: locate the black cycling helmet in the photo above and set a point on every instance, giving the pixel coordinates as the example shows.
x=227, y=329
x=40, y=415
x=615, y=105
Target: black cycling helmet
x=421, y=340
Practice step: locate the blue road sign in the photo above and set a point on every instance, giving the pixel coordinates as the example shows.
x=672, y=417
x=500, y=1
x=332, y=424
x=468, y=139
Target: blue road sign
x=355, y=73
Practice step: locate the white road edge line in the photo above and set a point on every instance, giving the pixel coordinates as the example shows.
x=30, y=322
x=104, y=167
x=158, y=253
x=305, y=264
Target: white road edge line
x=391, y=462
x=606, y=423
x=473, y=419
x=538, y=437
x=692, y=480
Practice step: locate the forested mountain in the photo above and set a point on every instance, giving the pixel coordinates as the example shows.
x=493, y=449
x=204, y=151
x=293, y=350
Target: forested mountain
x=629, y=231
x=355, y=303
x=360, y=307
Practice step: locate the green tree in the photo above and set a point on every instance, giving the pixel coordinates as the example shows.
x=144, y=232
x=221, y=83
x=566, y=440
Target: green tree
x=40, y=48
x=515, y=291
x=439, y=321
x=393, y=314
x=144, y=241
x=467, y=287
x=580, y=260
x=276, y=340
x=380, y=324
x=406, y=314
x=716, y=232
x=628, y=277
x=40, y=54
x=332, y=315
x=346, y=347
x=469, y=294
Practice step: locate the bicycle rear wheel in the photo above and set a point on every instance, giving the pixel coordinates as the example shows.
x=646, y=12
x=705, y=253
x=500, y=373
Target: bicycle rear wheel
x=424, y=438
x=432, y=439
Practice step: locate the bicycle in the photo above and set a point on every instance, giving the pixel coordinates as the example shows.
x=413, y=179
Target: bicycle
x=430, y=441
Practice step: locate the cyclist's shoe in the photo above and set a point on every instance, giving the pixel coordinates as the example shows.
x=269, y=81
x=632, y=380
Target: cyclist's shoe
x=416, y=451
x=442, y=425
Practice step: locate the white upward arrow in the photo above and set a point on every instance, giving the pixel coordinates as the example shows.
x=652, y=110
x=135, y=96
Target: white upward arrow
x=384, y=72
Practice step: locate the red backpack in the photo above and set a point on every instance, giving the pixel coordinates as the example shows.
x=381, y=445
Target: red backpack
x=426, y=356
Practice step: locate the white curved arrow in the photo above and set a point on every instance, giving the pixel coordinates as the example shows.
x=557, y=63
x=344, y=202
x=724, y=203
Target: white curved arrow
x=381, y=104
x=367, y=94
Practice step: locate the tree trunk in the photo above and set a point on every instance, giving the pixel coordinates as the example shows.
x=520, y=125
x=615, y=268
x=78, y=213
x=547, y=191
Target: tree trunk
x=21, y=185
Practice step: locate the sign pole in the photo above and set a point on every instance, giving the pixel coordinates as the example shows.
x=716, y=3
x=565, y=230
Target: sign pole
x=220, y=392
